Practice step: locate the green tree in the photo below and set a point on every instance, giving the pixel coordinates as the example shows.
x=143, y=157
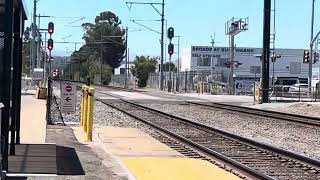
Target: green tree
x=142, y=67
x=104, y=39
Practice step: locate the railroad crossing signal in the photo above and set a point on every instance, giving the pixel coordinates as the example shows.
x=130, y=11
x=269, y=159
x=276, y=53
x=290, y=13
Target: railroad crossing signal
x=306, y=56
x=50, y=44
x=170, y=49
x=170, y=33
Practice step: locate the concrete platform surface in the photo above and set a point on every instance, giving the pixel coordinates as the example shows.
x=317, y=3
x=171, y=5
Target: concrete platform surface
x=148, y=159
x=80, y=161
x=33, y=120
x=176, y=169
x=131, y=142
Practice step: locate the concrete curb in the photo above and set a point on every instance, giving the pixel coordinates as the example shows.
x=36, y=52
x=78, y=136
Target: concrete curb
x=124, y=173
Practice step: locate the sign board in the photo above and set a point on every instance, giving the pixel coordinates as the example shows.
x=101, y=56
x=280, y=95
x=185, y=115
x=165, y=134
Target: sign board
x=38, y=73
x=255, y=69
x=68, y=98
x=295, y=67
x=243, y=86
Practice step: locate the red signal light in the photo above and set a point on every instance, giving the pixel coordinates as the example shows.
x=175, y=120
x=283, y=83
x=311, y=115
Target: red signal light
x=50, y=28
x=170, y=49
x=50, y=44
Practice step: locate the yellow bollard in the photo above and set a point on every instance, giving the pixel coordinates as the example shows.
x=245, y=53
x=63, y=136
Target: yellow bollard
x=90, y=106
x=82, y=105
x=85, y=112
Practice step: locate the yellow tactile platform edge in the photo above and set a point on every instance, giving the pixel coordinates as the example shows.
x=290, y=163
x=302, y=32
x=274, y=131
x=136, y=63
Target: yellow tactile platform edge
x=175, y=169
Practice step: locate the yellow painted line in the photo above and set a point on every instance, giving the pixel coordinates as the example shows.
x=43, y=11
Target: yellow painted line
x=175, y=169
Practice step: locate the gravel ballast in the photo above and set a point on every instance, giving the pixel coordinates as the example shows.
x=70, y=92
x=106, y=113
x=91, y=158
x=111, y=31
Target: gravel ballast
x=288, y=136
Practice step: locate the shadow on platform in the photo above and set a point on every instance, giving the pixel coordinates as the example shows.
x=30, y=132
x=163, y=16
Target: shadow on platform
x=45, y=159
x=16, y=178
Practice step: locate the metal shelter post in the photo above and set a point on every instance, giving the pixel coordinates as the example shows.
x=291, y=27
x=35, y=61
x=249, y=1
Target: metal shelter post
x=266, y=51
x=16, y=79
x=6, y=79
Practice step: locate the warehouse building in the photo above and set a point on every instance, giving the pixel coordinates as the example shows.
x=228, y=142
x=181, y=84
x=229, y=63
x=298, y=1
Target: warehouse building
x=288, y=68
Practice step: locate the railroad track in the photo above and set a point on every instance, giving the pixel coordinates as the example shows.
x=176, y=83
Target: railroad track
x=295, y=118
x=257, y=159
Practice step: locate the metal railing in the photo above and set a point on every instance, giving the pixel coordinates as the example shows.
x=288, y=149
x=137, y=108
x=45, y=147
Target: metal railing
x=282, y=93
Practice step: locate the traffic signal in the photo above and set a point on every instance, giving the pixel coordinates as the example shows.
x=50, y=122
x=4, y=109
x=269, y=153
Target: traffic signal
x=170, y=33
x=170, y=49
x=306, y=56
x=316, y=57
x=50, y=44
x=50, y=28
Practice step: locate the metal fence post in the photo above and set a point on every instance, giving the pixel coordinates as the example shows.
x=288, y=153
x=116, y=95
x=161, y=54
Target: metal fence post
x=275, y=97
x=316, y=94
x=185, y=81
x=299, y=94
x=314, y=97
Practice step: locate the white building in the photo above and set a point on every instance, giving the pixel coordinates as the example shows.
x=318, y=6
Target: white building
x=122, y=68
x=289, y=65
x=288, y=70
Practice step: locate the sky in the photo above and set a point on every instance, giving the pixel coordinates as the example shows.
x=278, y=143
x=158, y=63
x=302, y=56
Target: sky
x=194, y=20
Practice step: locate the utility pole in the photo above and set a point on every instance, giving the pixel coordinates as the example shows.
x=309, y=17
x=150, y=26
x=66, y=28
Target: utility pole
x=101, y=52
x=231, y=78
x=311, y=49
x=126, y=64
x=33, y=41
x=166, y=48
x=212, y=53
x=178, y=69
x=266, y=51
x=45, y=56
x=152, y=4
x=128, y=60
x=162, y=46
x=38, y=45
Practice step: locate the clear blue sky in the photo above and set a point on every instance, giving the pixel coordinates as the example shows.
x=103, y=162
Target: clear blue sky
x=194, y=20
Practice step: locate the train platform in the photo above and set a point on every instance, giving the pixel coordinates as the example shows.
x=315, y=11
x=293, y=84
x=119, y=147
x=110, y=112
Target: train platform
x=145, y=158
x=60, y=152
x=33, y=120
x=52, y=152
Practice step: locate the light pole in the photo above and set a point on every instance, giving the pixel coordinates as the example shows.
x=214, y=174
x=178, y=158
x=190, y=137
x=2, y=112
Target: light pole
x=266, y=51
x=311, y=49
x=178, y=69
x=162, y=46
x=126, y=64
x=212, y=53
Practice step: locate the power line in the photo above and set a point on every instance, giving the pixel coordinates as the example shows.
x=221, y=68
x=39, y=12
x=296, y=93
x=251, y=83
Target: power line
x=161, y=13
